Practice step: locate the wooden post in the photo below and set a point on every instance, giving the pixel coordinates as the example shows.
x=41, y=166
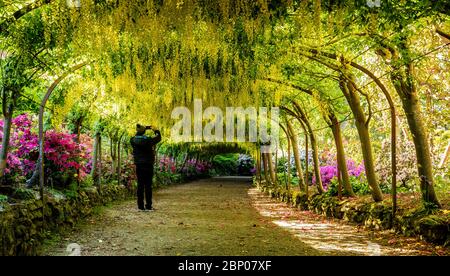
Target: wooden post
x=99, y=162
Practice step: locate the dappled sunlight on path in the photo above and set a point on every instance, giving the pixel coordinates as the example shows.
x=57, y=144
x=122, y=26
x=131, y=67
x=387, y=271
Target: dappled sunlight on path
x=223, y=216
x=330, y=235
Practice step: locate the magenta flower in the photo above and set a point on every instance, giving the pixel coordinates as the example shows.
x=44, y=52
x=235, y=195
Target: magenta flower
x=60, y=149
x=328, y=172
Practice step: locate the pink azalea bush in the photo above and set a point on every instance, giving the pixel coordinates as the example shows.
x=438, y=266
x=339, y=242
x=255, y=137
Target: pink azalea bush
x=194, y=167
x=62, y=152
x=22, y=141
x=167, y=164
x=202, y=167
x=168, y=171
x=328, y=172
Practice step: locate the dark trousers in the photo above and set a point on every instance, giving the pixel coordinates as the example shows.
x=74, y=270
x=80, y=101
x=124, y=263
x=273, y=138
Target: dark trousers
x=144, y=175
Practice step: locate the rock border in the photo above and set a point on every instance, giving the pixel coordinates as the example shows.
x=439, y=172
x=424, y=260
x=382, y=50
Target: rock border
x=432, y=227
x=22, y=229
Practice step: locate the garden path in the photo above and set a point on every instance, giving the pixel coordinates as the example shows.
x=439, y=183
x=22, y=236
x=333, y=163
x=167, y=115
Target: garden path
x=220, y=216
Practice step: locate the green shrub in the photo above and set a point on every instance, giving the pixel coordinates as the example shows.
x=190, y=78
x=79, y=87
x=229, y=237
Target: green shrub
x=87, y=182
x=225, y=164
x=24, y=194
x=281, y=164
x=294, y=181
x=3, y=198
x=360, y=187
x=442, y=183
x=71, y=191
x=162, y=178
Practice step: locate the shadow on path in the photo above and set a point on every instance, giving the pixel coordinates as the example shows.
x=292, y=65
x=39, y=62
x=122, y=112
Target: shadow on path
x=332, y=235
x=217, y=217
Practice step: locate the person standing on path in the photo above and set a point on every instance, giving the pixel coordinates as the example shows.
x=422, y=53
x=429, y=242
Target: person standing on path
x=144, y=159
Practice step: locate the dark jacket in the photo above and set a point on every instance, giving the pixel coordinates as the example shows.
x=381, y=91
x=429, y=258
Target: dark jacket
x=143, y=148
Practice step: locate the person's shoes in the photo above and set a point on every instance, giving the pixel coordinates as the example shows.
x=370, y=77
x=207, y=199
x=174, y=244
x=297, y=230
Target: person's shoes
x=142, y=210
x=150, y=209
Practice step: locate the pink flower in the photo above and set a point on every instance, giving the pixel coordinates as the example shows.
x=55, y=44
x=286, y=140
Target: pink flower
x=60, y=148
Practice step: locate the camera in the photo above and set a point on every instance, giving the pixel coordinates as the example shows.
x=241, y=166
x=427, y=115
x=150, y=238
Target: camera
x=148, y=127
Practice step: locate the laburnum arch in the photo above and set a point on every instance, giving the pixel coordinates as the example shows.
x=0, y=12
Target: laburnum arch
x=143, y=58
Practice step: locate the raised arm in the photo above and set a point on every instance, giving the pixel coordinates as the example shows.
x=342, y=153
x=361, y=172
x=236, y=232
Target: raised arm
x=155, y=140
x=146, y=140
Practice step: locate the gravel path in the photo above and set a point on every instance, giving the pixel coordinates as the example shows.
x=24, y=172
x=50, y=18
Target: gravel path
x=208, y=217
x=217, y=217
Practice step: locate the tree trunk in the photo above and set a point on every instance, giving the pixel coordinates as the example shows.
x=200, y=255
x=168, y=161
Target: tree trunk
x=7, y=122
x=393, y=131
x=99, y=164
x=77, y=129
x=306, y=161
x=288, y=169
x=258, y=165
x=315, y=152
x=393, y=155
x=306, y=157
x=119, y=161
x=276, y=163
x=77, y=132
x=445, y=156
x=339, y=178
x=8, y=106
x=298, y=164
x=353, y=100
x=95, y=157
x=273, y=176
x=266, y=168
x=411, y=106
x=340, y=154
x=316, y=161
x=366, y=147
x=113, y=155
x=289, y=163
x=402, y=78
x=284, y=171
